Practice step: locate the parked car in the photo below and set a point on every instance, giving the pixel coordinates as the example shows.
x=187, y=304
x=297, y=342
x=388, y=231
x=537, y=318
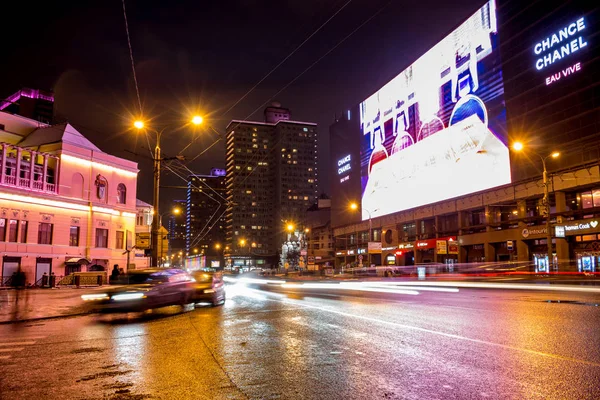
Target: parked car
x=208, y=287
x=143, y=290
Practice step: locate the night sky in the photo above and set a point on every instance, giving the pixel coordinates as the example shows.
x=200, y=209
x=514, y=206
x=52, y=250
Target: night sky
x=203, y=56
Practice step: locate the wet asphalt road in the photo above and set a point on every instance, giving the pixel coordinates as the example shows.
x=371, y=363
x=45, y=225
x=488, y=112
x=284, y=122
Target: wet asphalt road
x=315, y=344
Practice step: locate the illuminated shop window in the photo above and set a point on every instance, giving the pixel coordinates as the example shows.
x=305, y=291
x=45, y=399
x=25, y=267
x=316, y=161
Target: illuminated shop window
x=590, y=199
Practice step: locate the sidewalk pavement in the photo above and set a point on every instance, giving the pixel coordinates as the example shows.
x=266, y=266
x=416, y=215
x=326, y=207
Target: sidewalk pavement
x=22, y=305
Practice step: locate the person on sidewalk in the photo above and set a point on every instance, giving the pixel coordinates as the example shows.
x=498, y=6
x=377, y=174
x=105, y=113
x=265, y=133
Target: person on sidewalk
x=114, y=275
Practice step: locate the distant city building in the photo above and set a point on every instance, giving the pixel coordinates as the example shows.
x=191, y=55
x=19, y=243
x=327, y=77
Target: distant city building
x=176, y=225
x=320, y=249
x=65, y=205
x=31, y=103
x=205, y=213
x=271, y=181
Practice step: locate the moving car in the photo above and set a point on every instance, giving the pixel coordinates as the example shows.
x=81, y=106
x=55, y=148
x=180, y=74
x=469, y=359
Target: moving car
x=143, y=290
x=209, y=287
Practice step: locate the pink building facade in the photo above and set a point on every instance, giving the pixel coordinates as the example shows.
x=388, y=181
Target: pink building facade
x=65, y=205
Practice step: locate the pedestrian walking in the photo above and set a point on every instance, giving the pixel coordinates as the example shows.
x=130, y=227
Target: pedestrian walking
x=114, y=275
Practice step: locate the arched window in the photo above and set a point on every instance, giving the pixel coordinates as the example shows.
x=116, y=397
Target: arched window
x=121, y=194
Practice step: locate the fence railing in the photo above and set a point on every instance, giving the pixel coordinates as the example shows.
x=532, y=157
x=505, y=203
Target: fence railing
x=77, y=279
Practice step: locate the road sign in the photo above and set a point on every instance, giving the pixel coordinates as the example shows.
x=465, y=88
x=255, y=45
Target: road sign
x=360, y=257
x=509, y=244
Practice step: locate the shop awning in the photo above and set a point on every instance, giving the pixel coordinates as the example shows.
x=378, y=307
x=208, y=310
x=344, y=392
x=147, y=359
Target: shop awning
x=77, y=260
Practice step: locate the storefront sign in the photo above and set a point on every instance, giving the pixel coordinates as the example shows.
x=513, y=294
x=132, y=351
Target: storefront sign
x=374, y=247
x=441, y=247
x=340, y=253
x=344, y=167
x=453, y=247
x=526, y=232
x=350, y=252
x=575, y=228
x=560, y=44
x=406, y=246
x=432, y=243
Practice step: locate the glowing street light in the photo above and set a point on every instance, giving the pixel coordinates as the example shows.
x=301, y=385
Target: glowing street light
x=290, y=227
x=141, y=126
x=518, y=146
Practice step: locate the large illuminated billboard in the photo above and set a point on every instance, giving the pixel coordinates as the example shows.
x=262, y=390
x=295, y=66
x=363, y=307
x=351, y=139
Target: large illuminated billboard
x=438, y=129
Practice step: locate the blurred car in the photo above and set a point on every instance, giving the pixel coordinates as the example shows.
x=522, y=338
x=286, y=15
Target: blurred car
x=143, y=290
x=208, y=287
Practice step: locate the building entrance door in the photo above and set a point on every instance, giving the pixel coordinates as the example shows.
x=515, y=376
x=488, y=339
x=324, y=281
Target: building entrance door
x=42, y=265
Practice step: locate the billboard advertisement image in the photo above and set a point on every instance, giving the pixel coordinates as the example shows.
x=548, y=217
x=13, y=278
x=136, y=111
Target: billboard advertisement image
x=438, y=129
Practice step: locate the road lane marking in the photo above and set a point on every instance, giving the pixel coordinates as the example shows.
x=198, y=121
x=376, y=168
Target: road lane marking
x=492, y=285
x=4, y=357
x=444, y=334
x=17, y=343
x=13, y=349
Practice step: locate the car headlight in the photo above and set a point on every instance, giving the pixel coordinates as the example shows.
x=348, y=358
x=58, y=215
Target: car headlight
x=92, y=297
x=209, y=291
x=128, y=296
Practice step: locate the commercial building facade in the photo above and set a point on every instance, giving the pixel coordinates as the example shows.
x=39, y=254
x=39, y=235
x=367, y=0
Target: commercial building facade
x=428, y=157
x=271, y=181
x=65, y=205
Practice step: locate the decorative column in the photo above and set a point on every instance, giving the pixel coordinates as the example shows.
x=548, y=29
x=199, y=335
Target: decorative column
x=32, y=156
x=3, y=172
x=45, y=172
x=562, y=244
x=18, y=168
x=522, y=246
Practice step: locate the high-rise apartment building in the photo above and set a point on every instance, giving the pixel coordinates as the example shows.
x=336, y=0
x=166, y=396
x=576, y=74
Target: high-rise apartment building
x=177, y=227
x=271, y=181
x=205, y=213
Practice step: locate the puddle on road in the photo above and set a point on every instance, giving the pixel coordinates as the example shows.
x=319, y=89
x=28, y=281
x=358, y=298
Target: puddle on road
x=105, y=374
x=582, y=303
x=88, y=350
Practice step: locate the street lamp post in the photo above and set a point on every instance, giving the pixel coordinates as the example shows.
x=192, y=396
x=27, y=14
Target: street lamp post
x=354, y=207
x=175, y=211
x=140, y=125
x=518, y=146
x=307, y=241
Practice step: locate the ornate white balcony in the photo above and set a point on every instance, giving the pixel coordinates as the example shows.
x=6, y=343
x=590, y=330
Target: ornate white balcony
x=16, y=169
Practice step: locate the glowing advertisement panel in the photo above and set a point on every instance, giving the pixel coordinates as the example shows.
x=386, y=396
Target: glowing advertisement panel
x=438, y=129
